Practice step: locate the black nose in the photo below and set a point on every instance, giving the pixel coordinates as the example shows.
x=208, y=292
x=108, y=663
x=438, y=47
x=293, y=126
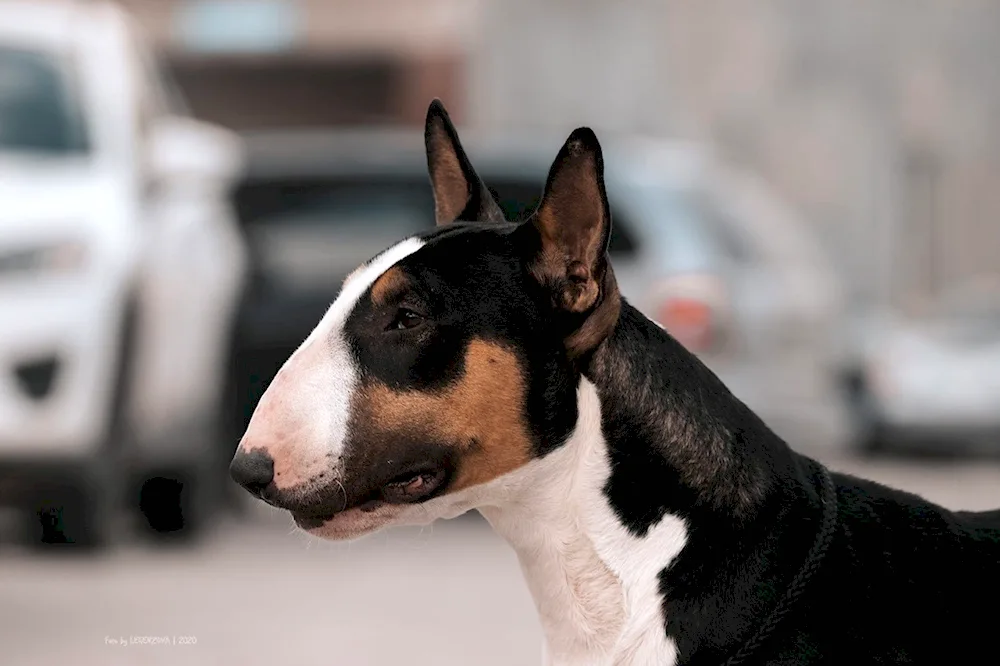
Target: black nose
x=254, y=470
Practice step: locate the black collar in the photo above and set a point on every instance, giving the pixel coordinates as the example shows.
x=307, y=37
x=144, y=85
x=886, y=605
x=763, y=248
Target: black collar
x=819, y=549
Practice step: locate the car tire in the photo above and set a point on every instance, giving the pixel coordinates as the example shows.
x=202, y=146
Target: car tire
x=873, y=442
x=75, y=510
x=869, y=436
x=175, y=504
x=78, y=506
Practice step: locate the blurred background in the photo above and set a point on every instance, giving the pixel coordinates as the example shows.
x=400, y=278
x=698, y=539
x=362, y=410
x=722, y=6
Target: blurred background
x=805, y=194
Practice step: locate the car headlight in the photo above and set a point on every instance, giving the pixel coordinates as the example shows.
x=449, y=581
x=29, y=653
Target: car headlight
x=61, y=257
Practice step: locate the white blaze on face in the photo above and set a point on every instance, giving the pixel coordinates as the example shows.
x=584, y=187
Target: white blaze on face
x=301, y=420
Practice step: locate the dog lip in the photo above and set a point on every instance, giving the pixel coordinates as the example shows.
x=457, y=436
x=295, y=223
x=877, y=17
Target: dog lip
x=415, y=486
x=271, y=501
x=316, y=513
x=371, y=505
x=311, y=520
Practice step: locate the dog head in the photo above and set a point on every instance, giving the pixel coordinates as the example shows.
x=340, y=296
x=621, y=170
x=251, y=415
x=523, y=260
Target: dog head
x=447, y=362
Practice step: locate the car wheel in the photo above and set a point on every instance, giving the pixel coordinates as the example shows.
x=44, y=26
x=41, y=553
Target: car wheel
x=175, y=504
x=868, y=437
x=78, y=507
x=873, y=442
x=869, y=434
x=76, y=511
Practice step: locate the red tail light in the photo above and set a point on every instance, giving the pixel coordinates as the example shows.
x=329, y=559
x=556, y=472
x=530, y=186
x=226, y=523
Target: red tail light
x=695, y=309
x=691, y=321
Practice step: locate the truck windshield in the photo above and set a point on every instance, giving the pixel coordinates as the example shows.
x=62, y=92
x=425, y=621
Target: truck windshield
x=39, y=109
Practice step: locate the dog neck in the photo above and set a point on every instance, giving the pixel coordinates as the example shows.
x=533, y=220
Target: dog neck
x=554, y=516
x=693, y=469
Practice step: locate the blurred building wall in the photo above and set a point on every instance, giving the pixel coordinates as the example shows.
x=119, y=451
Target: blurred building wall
x=879, y=120
x=253, y=64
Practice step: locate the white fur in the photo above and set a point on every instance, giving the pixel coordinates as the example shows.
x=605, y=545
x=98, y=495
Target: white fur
x=360, y=280
x=596, y=586
x=323, y=390
x=637, y=561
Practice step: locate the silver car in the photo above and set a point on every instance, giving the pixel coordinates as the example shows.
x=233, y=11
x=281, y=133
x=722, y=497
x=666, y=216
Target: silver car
x=700, y=248
x=930, y=377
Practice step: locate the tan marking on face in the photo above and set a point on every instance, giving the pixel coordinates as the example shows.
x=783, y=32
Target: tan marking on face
x=280, y=425
x=389, y=285
x=486, y=407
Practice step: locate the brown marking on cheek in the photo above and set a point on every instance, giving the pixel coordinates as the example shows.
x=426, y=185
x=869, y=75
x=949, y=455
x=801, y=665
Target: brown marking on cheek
x=286, y=430
x=482, y=415
x=389, y=285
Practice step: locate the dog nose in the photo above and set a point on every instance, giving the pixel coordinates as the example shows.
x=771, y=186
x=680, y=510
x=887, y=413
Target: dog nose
x=254, y=470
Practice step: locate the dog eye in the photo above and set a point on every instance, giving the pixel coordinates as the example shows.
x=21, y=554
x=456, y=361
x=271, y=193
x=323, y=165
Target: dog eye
x=405, y=319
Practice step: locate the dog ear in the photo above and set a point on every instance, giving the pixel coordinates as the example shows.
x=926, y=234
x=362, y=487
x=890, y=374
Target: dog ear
x=459, y=194
x=573, y=222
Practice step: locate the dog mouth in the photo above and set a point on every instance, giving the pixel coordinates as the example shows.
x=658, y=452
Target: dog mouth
x=409, y=488
x=314, y=519
x=311, y=520
x=413, y=486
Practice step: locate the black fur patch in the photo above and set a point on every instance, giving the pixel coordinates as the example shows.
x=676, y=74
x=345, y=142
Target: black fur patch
x=469, y=282
x=904, y=581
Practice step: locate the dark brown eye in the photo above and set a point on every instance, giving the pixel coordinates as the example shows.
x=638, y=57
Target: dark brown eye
x=405, y=319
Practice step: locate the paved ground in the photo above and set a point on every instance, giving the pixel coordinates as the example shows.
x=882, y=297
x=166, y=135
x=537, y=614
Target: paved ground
x=260, y=593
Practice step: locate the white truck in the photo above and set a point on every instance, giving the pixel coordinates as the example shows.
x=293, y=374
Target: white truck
x=121, y=267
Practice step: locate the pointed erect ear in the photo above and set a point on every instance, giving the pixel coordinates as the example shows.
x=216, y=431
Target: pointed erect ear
x=574, y=223
x=459, y=194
